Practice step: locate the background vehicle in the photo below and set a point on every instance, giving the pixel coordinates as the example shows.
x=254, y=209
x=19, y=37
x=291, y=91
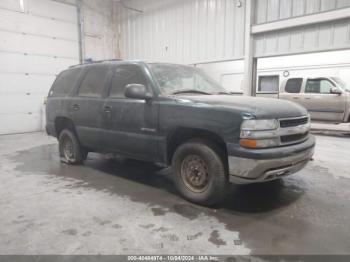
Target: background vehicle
x=326, y=98
x=176, y=115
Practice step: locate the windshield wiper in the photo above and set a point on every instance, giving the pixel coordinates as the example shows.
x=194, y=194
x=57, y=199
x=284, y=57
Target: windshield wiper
x=191, y=91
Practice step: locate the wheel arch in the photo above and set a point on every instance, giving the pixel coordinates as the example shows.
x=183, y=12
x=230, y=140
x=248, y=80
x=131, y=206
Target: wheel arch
x=182, y=134
x=61, y=123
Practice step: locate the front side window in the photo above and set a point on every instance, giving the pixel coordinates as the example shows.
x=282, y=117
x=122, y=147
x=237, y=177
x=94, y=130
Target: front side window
x=293, y=85
x=269, y=84
x=176, y=79
x=123, y=76
x=93, y=82
x=65, y=82
x=318, y=86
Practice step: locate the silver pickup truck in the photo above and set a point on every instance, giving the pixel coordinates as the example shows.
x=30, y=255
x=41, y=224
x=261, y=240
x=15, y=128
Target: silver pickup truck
x=326, y=98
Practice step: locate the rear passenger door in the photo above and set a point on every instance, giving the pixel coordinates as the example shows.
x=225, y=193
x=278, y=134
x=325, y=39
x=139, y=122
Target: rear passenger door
x=130, y=125
x=292, y=90
x=86, y=106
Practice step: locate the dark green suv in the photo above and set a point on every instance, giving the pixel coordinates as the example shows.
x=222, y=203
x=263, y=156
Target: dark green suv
x=176, y=115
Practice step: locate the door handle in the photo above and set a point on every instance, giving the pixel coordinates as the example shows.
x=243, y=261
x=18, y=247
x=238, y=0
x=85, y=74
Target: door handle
x=295, y=97
x=308, y=98
x=75, y=107
x=107, y=109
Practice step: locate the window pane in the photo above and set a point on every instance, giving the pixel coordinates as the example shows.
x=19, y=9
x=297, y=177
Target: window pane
x=65, y=82
x=93, y=82
x=326, y=87
x=293, y=85
x=312, y=86
x=268, y=83
x=322, y=86
x=123, y=76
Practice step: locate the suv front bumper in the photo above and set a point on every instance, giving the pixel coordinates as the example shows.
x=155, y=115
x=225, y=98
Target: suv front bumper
x=261, y=165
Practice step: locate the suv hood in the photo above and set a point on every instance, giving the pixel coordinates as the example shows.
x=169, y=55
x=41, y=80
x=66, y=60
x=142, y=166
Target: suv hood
x=258, y=106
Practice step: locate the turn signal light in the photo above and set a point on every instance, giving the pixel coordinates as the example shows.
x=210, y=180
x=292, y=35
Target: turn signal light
x=249, y=143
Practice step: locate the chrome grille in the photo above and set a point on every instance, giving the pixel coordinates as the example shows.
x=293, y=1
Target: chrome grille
x=293, y=121
x=293, y=130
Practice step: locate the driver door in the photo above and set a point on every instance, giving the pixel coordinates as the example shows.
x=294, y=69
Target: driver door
x=321, y=103
x=129, y=125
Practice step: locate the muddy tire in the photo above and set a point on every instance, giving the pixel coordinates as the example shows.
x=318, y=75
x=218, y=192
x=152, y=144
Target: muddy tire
x=199, y=172
x=71, y=152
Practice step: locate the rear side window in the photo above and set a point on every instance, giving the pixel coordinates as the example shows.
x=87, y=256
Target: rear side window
x=293, y=85
x=65, y=82
x=123, y=76
x=93, y=82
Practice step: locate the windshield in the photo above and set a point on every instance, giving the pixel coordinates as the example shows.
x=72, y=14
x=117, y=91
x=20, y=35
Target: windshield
x=341, y=83
x=176, y=79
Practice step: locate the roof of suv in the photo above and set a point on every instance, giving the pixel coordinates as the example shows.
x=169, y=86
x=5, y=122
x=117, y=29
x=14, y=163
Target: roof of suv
x=119, y=61
x=88, y=63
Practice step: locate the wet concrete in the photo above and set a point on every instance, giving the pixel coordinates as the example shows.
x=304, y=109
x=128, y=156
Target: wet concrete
x=123, y=207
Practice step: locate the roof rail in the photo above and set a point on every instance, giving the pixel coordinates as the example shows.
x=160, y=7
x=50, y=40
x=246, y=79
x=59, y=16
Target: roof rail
x=90, y=61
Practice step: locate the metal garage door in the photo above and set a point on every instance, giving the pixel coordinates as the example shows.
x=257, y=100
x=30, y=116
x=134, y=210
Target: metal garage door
x=38, y=38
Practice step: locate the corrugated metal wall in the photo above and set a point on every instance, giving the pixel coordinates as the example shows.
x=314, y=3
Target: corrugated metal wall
x=272, y=10
x=181, y=31
x=312, y=38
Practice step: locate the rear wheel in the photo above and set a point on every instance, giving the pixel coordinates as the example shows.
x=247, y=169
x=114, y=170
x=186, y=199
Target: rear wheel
x=199, y=172
x=71, y=151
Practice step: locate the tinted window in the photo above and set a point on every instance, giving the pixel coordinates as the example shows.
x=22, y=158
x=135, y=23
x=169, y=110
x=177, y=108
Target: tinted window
x=124, y=75
x=322, y=86
x=93, y=82
x=293, y=85
x=65, y=82
x=268, y=84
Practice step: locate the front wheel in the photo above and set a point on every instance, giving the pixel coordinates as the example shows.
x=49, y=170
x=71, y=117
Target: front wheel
x=71, y=151
x=199, y=172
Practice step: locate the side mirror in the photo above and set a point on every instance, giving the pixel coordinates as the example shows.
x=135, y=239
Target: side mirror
x=336, y=90
x=137, y=91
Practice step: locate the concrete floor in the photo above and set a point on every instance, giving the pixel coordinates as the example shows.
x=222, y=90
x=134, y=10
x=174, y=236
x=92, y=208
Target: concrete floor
x=116, y=207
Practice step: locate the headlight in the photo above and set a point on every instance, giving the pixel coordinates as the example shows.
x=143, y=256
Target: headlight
x=263, y=124
x=259, y=133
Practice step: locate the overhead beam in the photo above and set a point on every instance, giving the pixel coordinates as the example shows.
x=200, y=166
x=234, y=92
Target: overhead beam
x=302, y=21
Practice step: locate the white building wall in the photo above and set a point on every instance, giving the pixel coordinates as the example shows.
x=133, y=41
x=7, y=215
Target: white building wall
x=230, y=73
x=332, y=35
x=312, y=38
x=99, y=30
x=181, y=31
x=273, y=10
x=38, y=39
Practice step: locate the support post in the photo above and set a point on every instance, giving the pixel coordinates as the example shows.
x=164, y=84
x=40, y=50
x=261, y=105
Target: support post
x=249, y=60
x=81, y=30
